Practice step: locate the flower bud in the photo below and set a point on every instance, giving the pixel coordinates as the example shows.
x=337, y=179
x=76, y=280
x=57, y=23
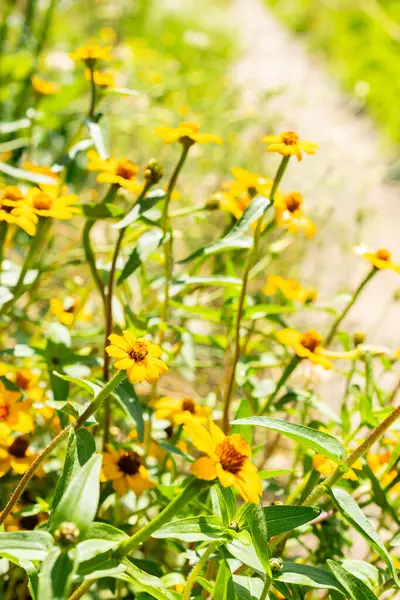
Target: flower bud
x=153, y=171
x=233, y=525
x=276, y=565
x=214, y=202
x=358, y=338
x=67, y=534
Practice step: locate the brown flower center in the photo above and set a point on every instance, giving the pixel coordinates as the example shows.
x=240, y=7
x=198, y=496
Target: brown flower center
x=126, y=169
x=130, y=462
x=12, y=192
x=189, y=405
x=290, y=138
x=19, y=447
x=22, y=380
x=4, y=411
x=310, y=341
x=383, y=254
x=5, y=207
x=29, y=522
x=293, y=202
x=42, y=202
x=138, y=352
x=252, y=191
x=230, y=458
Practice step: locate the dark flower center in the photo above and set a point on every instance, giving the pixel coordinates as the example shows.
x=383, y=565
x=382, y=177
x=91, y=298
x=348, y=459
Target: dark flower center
x=126, y=169
x=22, y=380
x=310, y=342
x=293, y=202
x=230, y=458
x=189, y=405
x=290, y=138
x=4, y=411
x=29, y=522
x=130, y=462
x=19, y=447
x=139, y=352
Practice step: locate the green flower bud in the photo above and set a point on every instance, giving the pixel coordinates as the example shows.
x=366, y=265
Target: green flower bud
x=153, y=171
x=67, y=534
x=276, y=565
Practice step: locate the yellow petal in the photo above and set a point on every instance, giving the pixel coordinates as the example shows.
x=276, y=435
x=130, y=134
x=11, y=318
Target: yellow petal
x=200, y=436
x=204, y=468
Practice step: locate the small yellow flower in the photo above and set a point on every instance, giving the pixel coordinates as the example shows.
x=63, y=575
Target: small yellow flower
x=46, y=201
x=288, y=143
x=238, y=193
x=15, y=522
x=14, y=415
x=43, y=87
x=67, y=310
x=92, y=52
x=178, y=411
x=380, y=259
x=226, y=457
x=290, y=216
x=103, y=80
x=290, y=288
x=305, y=345
x=376, y=460
x=126, y=471
x=122, y=172
x=325, y=466
x=187, y=134
x=140, y=358
x=15, y=456
x=26, y=380
x=16, y=211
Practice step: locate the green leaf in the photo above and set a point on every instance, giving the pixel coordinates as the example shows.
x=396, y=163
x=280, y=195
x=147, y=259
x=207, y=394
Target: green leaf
x=104, y=531
x=248, y=588
x=356, y=589
x=127, y=397
x=24, y=175
x=224, y=588
x=257, y=523
x=223, y=502
x=218, y=280
x=253, y=212
x=353, y=514
x=141, y=207
x=193, y=529
x=146, y=245
x=102, y=211
x=25, y=545
x=368, y=573
x=260, y=311
x=80, y=146
x=97, y=137
x=319, y=441
x=246, y=553
x=12, y=126
x=224, y=245
x=79, y=502
x=284, y=518
x=242, y=412
x=314, y=577
x=89, y=386
x=99, y=538
x=122, y=91
x=150, y=584
x=56, y=575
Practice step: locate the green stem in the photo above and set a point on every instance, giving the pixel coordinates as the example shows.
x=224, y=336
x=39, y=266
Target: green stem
x=3, y=235
x=266, y=588
x=197, y=569
x=91, y=259
x=340, y=318
x=290, y=367
x=92, y=105
x=80, y=421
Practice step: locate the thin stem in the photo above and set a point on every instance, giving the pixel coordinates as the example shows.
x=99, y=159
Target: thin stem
x=90, y=257
x=197, y=569
x=80, y=421
x=266, y=588
x=290, y=367
x=3, y=236
x=92, y=105
x=340, y=318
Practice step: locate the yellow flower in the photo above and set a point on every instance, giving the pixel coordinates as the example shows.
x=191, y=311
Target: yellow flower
x=103, y=80
x=26, y=380
x=67, y=310
x=289, y=215
x=122, y=172
x=226, y=457
x=47, y=202
x=91, y=53
x=16, y=522
x=288, y=143
x=15, y=211
x=140, y=358
x=377, y=460
x=305, y=345
x=124, y=468
x=325, y=466
x=381, y=259
x=237, y=194
x=187, y=134
x=15, y=455
x=178, y=411
x=14, y=415
x=290, y=288
x=28, y=166
x=43, y=87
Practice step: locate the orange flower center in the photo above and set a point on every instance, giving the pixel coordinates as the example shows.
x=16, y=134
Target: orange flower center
x=4, y=411
x=189, y=405
x=5, y=207
x=19, y=447
x=311, y=341
x=126, y=169
x=229, y=455
x=42, y=202
x=293, y=202
x=290, y=138
x=383, y=254
x=12, y=192
x=130, y=462
x=139, y=352
x=22, y=380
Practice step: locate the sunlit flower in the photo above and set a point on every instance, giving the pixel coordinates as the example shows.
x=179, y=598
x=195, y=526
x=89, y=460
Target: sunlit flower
x=290, y=288
x=15, y=210
x=122, y=172
x=26, y=380
x=179, y=410
x=67, y=310
x=139, y=357
x=101, y=79
x=28, y=166
x=226, y=457
x=237, y=194
x=126, y=471
x=91, y=53
x=18, y=520
x=306, y=345
x=15, y=456
x=290, y=216
x=380, y=259
x=376, y=460
x=47, y=202
x=288, y=143
x=43, y=87
x=326, y=467
x=187, y=134
x=14, y=415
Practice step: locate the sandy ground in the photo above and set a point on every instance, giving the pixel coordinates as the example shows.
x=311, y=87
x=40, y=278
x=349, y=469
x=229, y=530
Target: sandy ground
x=347, y=177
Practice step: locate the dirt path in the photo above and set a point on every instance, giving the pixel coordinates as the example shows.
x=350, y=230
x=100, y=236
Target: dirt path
x=344, y=181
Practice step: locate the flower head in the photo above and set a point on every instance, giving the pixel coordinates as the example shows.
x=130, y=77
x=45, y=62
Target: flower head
x=325, y=466
x=46, y=201
x=306, y=345
x=101, y=79
x=43, y=87
x=290, y=288
x=290, y=216
x=380, y=259
x=15, y=455
x=226, y=457
x=121, y=172
x=139, y=357
x=66, y=310
x=92, y=52
x=179, y=410
x=126, y=471
x=187, y=134
x=238, y=193
x=16, y=211
x=14, y=415
x=288, y=143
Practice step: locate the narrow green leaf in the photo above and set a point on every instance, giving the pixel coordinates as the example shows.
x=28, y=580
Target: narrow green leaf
x=248, y=588
x=356, y=589
x=89, y=386
x=97, y=137
x=224, y=245
x=314, y=577
x=56, y=574
x=25, y=545
x=102, y=211
x=150, y=200
x=224, y=503
x=218, y=280
x=193, y=529
x=146, y=245
x=127, y=397
x=12, y=126
x=150, y=584
x=224, y=588
x=24, y=175
x=257, y=523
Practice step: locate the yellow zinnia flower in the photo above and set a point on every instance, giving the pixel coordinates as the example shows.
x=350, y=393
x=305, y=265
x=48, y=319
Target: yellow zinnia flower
x=26, y=380
x=289, y=215
x=238, y=193
x=103, y=80
x=14, y=415
x=67, y=310
x=288, y=143
x=376, y=460
x=226, y=457
x=43, y=87
x=122, y=172
x=381, y=259
x=325, y=466
x=15, y=210
x=91, y=53
x=178, y=411
x=15, y=456
x=140, y=358
x=187, y=134
x=305, y=345
x=290, y=288
x=46, y=201
x=125, y=470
